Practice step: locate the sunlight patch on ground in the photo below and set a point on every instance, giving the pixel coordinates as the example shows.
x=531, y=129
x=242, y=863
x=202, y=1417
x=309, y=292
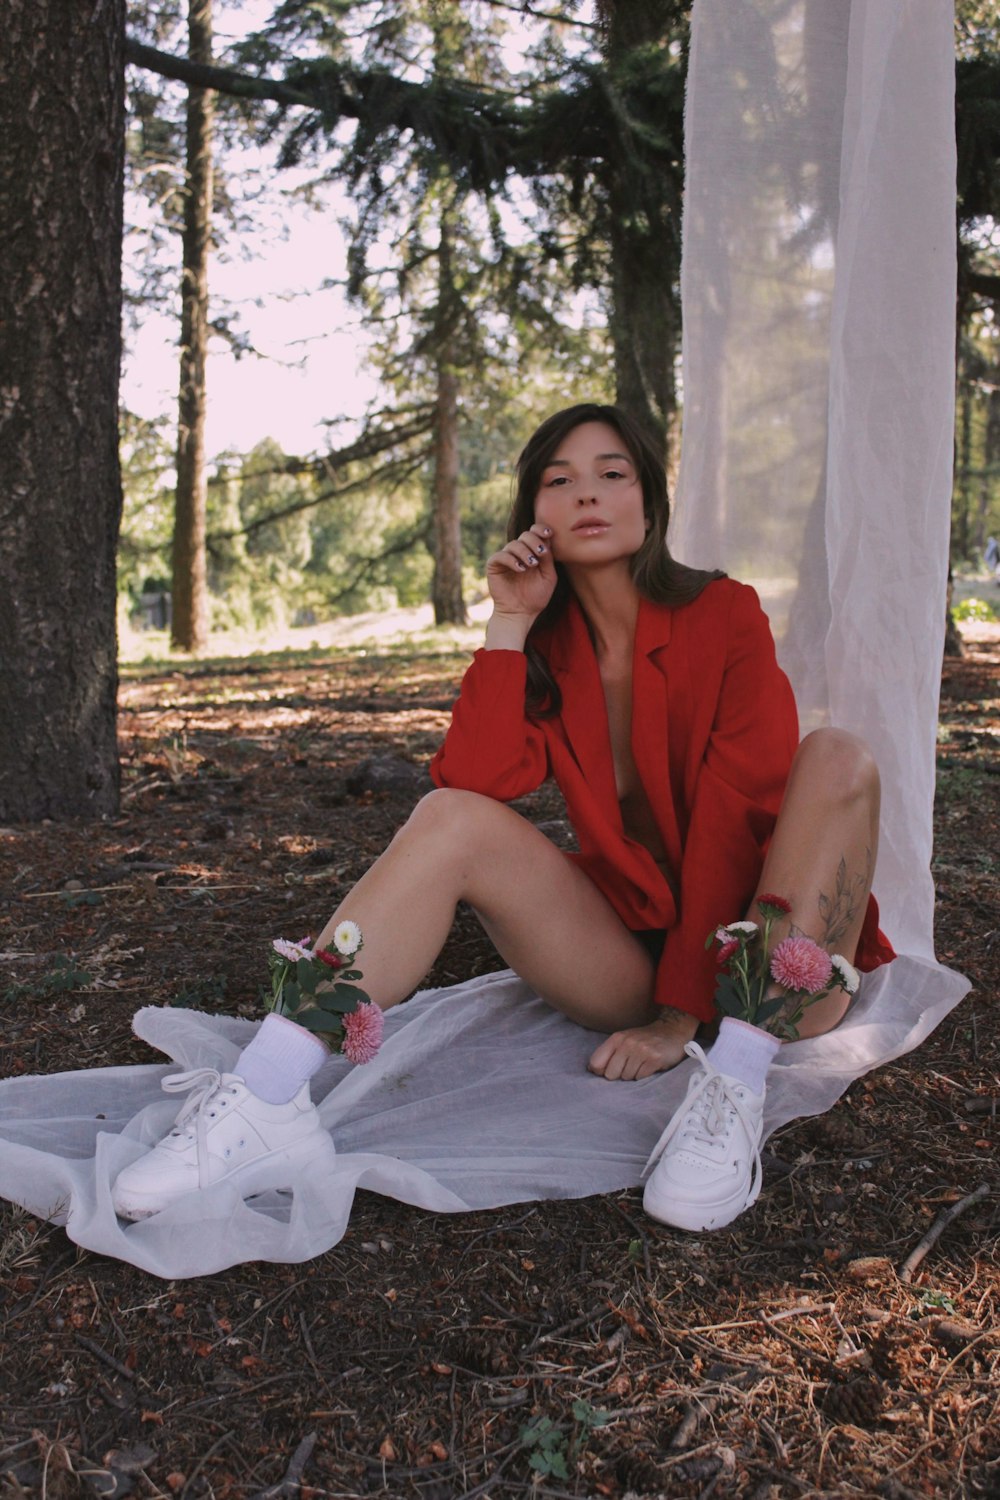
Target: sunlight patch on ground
x=378, y=629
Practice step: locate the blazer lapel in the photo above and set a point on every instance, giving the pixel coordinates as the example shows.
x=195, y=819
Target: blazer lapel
x=651, y=720
x=584, y=712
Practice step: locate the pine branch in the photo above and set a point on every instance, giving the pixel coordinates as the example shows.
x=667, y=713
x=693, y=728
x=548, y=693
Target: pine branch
x=417, y=421
x=209, y=76
x=367, y=565
x=394, y=471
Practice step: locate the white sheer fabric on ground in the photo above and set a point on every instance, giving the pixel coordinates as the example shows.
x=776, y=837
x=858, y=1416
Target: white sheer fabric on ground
x=818, y=289
x=479, y=1097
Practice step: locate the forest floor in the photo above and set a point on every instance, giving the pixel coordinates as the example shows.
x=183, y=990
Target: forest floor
x=549, y=1349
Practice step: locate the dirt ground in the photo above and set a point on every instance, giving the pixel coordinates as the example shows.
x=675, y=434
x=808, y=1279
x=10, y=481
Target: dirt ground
x=550, y=1349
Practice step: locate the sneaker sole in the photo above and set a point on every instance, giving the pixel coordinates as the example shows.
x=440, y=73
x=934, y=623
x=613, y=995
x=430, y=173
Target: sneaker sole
x=695, y=1217
x=272, y=1171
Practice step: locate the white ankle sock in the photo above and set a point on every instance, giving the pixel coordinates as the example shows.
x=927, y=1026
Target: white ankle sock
x=744, y=1052
x=279, y=1060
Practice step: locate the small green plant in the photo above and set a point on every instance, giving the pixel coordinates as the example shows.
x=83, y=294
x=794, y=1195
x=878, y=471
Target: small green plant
x=80, y=898
x=547, y=1446
x=551, y=1450
x=939, y=1301
x=974, y=609
x=64, y=975
x=201, y=994
x=588, y=1418
x=61, y=978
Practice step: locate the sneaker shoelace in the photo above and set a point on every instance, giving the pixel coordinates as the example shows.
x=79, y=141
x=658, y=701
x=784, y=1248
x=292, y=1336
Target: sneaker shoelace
x=203, y=1085
x=708, y=1117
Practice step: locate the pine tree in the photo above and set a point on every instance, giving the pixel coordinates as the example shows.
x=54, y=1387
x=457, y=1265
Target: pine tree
x=61, y=163
x=189, y=588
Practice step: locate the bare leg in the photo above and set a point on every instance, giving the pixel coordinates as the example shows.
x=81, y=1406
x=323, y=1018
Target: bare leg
x=821, y=858
x=822, y=854
x=546, y=918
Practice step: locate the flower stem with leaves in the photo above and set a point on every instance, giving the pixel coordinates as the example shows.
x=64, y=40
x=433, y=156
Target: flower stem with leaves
x=802, y=971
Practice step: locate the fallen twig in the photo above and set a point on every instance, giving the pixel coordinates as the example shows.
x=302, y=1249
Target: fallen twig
x=551, y=1334
x=938, y=1228
x=103, y=1355
x=292, y=1481
x=694, y=1414
x=983, y=1104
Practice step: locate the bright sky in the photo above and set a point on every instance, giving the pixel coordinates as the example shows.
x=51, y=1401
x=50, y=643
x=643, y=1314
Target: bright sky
x=312, y=372
x=315, y=370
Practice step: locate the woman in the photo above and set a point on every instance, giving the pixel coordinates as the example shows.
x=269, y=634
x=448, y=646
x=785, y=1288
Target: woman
x=650, y=691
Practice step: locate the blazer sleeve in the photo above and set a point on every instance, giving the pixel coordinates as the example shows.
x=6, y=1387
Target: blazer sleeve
x=491, y=746
x=752, y=738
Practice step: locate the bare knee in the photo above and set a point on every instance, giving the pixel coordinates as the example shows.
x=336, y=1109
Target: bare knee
x=448, y=812
x=839, y=765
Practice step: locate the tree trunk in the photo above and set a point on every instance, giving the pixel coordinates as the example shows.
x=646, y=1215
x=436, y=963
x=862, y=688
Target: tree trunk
x=62, y=131
x=991, y=450
x=189, y=584
x=644, y=325
x=953, y=643
x=446, y=590
x=644, y=314
x=963, y=468
x=446, y=587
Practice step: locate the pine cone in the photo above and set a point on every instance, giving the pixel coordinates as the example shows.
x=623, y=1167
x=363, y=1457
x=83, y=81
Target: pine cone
x=858, y=1401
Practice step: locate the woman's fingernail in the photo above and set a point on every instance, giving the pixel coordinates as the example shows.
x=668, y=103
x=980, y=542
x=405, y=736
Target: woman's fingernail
x=540, y=551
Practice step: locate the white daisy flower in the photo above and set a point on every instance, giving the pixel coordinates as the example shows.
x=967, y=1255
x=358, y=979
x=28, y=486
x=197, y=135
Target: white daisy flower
x=292, y=951
x=347, y=938
x=849, y=976
x=732, y=928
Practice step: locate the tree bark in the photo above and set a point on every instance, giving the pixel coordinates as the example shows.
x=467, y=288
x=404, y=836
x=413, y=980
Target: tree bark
x=189, y=583
x=446, y=586
x=62, y=123
x=644, y=314
x=991, y=450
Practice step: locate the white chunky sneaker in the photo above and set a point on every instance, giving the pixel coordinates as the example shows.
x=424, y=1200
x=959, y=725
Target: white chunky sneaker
x=223, y=1133
x=705, y=1168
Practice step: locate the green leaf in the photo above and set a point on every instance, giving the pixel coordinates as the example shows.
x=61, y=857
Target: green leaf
x=769, y=1008
x=729, y=1000
x=305, y=973
x=341, y=997
x=353, y=974
x=550, y=1463
x=591, y=1416
x=322, y=1023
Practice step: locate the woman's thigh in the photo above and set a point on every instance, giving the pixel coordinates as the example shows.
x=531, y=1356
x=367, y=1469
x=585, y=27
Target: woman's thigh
x=551, y=924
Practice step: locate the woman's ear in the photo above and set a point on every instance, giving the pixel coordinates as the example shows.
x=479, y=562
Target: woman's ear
x=649, y=522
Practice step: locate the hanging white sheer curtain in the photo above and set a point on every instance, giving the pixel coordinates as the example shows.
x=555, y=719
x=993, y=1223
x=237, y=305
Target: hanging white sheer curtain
x=819, y=331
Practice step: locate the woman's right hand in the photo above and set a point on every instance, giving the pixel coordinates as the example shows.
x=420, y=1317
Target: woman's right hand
x=521, y=577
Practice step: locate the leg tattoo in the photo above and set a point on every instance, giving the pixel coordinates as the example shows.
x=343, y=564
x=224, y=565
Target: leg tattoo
x=840, y=910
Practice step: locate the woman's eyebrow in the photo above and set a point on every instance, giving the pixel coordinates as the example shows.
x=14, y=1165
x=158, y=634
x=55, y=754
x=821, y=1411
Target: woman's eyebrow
x=564, y=463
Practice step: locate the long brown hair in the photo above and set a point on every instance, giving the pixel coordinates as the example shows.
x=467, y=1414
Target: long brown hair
x=657, y=576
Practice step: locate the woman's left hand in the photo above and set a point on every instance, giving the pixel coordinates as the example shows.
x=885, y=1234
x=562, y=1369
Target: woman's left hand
x=644, y=1050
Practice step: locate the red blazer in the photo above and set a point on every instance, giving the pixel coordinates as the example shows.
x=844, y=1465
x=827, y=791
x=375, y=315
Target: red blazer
x=714, y=730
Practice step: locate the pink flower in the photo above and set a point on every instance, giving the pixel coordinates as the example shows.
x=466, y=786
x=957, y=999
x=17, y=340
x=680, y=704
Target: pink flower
x=727, y=950
x=362, y=1032
x=800, y=964
x=331, y=960
x=290, y=951
x=777, y=903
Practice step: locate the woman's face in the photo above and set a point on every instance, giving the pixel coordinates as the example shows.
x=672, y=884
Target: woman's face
x=591, y=497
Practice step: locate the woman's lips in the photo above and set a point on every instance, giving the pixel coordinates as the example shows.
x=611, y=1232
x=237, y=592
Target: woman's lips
x=590, y=528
